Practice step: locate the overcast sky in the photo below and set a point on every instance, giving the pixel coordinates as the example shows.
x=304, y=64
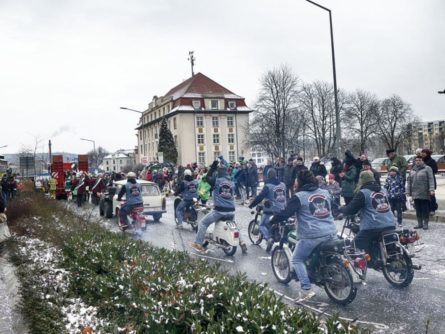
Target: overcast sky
x=67, y=66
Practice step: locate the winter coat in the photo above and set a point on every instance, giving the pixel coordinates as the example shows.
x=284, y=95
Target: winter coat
x=420, y=182
x=318, y=169
x=252, y=176
x=348, y=182
x=432, y=163
x=289, y=175
x=394, y=186
x=334, y=189
x=336, y=169
x=265, y=171
x=241, y=177
x=204, y=188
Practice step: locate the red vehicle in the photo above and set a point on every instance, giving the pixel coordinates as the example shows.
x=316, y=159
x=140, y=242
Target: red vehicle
x=58, y=169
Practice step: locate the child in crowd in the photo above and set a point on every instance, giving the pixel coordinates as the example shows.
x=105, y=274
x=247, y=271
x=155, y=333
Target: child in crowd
x=334, y=189
x=395, y=188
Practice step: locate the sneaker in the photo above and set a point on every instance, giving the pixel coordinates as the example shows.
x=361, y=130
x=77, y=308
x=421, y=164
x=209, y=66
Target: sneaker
x=305, y=295
x=198, y=247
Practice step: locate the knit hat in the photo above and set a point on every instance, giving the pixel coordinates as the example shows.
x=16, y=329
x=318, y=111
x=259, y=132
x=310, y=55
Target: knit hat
x=366, y=177
x=393, y=169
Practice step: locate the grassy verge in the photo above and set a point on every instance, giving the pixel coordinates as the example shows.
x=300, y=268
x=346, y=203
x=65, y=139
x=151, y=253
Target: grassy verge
x=76, y=275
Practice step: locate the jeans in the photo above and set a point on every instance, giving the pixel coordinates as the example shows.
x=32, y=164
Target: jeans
x=396, y=205
x=253, y=191
x=264, y=227
x=302, y=251
x=180, y=211
x=209, y=219
x=125, y=210
x=364, y=238
x=5, y=195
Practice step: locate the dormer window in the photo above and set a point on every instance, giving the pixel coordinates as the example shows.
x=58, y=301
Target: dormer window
x=214, y=104
x=232, y=105
x=196, y=104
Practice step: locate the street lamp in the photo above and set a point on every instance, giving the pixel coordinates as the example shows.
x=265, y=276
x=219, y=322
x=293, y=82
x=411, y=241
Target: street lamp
x=337, y=112
x=125, y=108
x=3, y=146
x=441, y=91
x=94, y=150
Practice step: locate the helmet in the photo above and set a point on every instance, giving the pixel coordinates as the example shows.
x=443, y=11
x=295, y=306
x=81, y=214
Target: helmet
x=188, y=172
x=131, y=175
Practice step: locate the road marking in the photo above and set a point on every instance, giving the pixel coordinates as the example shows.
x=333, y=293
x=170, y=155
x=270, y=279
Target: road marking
x=265, y=257
x=375, y=324
x=212, y=258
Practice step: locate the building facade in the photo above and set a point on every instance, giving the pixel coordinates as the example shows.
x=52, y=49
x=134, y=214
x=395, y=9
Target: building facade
x=426, y=135
x=117, y=161
x=206, y=120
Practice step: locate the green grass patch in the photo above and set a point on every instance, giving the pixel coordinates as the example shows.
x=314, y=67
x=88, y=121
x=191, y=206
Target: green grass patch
x=133, y=286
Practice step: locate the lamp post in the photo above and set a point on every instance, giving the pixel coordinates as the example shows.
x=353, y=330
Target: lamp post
x=94, y=150
x=441, y=91
x=337, y=112
x=125, y=108
x=3, y=146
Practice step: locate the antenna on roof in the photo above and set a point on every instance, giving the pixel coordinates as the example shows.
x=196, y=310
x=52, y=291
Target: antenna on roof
x=192, y=59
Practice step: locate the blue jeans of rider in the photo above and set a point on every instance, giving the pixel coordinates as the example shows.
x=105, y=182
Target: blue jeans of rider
x=302, y=251
x=209, y=219
x=180, y=212
x=125, y=210
x=264, y=225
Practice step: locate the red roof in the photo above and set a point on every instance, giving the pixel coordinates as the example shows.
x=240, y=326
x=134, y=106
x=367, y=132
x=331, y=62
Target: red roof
x=197, y=84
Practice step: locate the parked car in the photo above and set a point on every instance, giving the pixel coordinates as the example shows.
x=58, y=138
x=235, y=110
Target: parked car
x=154, y=201
x=380, y=164
x=440, y=160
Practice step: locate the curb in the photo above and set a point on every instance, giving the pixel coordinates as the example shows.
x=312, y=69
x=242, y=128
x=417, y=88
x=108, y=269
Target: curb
x=437, y=218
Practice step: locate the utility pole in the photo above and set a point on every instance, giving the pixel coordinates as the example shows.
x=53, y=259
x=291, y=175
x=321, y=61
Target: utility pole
x=192, y=59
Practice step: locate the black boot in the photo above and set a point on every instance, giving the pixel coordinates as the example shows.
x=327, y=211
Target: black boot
x=425, y=224
x=419, y=223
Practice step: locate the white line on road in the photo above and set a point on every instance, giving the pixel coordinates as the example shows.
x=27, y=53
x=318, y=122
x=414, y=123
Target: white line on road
x=375, y=324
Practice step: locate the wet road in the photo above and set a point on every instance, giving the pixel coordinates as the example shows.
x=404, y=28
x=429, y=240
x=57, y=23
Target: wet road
x=377, y=305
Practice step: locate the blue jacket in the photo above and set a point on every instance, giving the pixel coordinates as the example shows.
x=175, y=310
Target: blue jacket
x=133, y=193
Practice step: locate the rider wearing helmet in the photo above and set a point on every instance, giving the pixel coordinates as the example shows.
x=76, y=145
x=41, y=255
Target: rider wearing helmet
x=188, y=188
x=312, y=206
x=274, y=192
x=133, y=198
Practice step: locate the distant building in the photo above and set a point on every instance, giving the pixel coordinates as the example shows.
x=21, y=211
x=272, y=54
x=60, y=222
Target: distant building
x=205, y=118
x=427, y=135
x=115, y=162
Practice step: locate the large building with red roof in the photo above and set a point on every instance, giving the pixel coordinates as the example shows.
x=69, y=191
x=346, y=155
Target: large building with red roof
x=205, y=118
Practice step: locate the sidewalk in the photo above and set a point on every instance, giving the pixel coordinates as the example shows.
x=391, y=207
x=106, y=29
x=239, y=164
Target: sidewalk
x=439, y=217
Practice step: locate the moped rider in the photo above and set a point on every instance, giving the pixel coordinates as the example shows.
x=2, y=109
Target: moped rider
x=274, y=192
x=133, y=198
x=188, y=188
x=224, y=203
x=312, y=206
x=375, y=211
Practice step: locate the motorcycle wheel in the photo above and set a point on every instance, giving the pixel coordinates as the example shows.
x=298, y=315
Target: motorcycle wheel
x=280, y=265
x=227, y=249
x=338, y=283
x=399, y=270
x=253, y=230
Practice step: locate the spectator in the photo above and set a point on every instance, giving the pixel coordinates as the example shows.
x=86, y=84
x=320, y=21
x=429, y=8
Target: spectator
x=426, y=156
x=420, y=186
x=289, y=177
x=241, y=180
x=252, y=179
x=266, y=169
x=336, y=169
x=348, y=176
x=334, y=189
x=395, y=188
x=298, y=167
x=318, y=168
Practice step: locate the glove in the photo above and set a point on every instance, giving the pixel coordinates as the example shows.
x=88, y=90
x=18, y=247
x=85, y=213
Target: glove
x=214, y=164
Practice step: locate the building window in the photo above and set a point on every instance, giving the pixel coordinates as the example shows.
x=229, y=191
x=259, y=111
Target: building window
x=201, y=158
x=108, y=169
x=231, y=156
x=215, y=121
x=230, y=121
x=215, y=138
x=214, y=104
x=114, y=162
x=174, y=123
x=200, y=139
x=216, y=154
x=196, y=104
x=231, y=138
x=199, y=122
x=176, y=140
x=232, y=105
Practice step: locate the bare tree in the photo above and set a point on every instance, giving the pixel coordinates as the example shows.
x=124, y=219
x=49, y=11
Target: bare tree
x=393, y=119
x=361, y=117
x=276, y=119
x=317, y=103
x=96, y=158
